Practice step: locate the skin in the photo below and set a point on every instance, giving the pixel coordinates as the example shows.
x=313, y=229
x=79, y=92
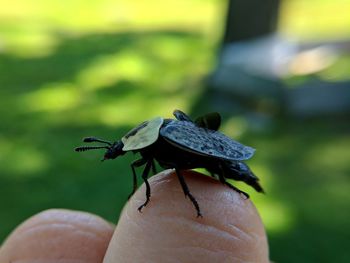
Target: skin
x=167, y=231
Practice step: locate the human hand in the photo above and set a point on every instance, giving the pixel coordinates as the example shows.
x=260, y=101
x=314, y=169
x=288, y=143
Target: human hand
x=166, y=231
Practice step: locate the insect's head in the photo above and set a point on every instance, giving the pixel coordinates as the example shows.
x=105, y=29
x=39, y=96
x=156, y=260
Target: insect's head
x=113, y=149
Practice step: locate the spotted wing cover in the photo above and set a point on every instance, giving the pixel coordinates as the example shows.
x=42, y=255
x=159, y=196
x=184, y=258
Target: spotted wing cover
x=204, y=141
x=143, y=135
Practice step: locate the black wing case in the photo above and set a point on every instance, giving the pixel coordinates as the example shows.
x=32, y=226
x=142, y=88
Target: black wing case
x=190, y=137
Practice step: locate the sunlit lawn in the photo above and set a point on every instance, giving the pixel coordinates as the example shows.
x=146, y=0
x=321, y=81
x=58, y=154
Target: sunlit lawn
x=74, y=68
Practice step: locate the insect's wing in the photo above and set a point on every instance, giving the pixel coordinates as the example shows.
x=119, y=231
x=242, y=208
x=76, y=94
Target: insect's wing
x=190, y=137
x=211, y=121
x=143, y=135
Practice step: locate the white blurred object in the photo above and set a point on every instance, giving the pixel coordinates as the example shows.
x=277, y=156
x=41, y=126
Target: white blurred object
x=275, y=56
x=312, y=60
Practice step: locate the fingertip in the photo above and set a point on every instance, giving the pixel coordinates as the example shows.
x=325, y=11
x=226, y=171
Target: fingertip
x=168, y=229
x=58, y=234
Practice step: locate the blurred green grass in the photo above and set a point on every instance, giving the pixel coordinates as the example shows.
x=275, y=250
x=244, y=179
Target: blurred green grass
x=69, y=70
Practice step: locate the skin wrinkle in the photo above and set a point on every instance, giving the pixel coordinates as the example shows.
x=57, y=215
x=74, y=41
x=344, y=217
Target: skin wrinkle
x=212, y=224
x=203, y=228
x=175, y=218
x=219, y=255
x=47, y=218
x=59, y=227
x=193, y=248
x=62, y=260
x=237, y=229
x=57, y=240
x=171, y=218
x=217, y=234
x=59, y=236
x=247, y=208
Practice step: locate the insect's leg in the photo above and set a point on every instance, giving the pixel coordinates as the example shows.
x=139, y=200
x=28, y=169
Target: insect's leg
x=187, y=192
x=247, y=176
x=252, y=181
x=241, y=172
x=154, y=170
x=223, y=180
x=148, y=187
x=134, y=164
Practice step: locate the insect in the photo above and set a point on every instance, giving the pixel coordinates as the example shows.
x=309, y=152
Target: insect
x=182, y=144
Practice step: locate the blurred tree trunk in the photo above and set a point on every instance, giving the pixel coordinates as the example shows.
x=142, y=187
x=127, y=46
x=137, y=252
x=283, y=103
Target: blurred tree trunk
x=248, y=19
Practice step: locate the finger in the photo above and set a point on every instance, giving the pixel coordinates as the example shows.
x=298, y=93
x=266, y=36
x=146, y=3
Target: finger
x=58, y=236
x=168, y=230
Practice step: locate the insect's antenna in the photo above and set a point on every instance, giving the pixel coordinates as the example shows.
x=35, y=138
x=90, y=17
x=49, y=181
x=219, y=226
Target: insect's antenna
x=87, y=148
x=93, y=139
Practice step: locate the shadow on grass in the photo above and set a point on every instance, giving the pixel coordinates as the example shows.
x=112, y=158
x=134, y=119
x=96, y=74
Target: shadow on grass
x=46, y=108
x=73, y=54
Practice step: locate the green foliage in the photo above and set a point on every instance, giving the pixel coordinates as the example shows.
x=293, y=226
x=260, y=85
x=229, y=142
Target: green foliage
x=50, y=103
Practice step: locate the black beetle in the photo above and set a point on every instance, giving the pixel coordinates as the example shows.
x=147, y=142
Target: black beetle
x=182, y=144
